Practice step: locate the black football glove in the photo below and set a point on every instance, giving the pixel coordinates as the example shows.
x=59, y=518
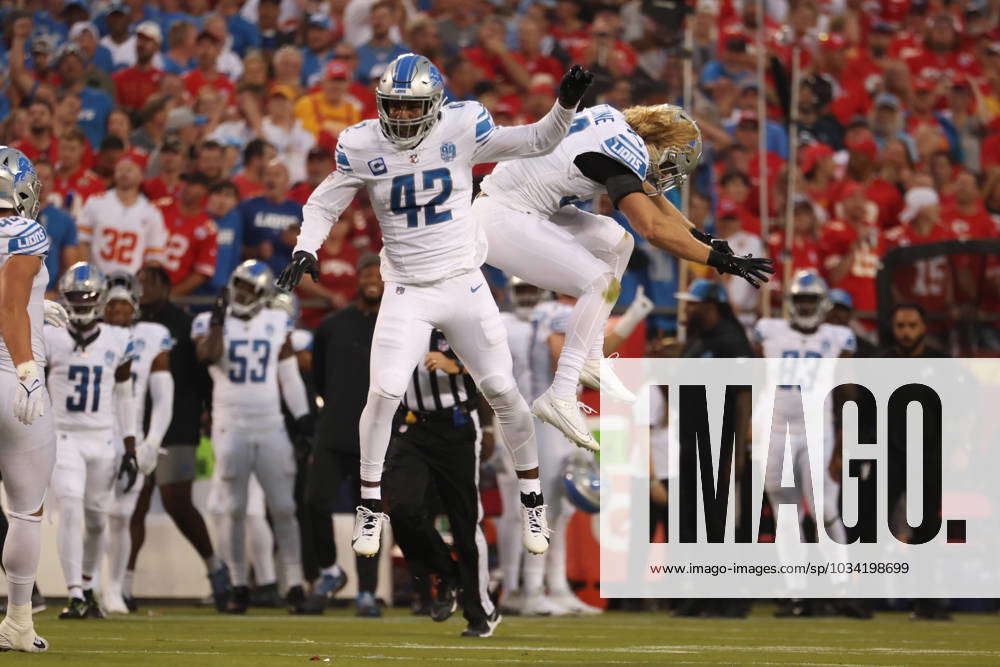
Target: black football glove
x=305, y=428
x=717, y=244
x=754, y=270
x=129, y=468
x=573, y=85
x=302, y=263
x=219, y=308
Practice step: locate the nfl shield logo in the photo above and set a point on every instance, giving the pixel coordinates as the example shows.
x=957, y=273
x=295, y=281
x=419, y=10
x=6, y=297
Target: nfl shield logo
x=269, y=330
x=443, y=345
x=400, y=289
x=414, y=158
x=109, y=357
x=448, y=152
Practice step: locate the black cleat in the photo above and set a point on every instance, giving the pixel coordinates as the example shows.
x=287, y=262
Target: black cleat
x=367, y=606
x=37, y=601
x=794, y=608
x=266, y=596
x=484, y=627
x=296, y=600
x=239, y=601
x=850, y=608
x=327, y=587
x=93, y=608
x=131, y=604
x=445, y=601
x=221, y=588
x=76, y=609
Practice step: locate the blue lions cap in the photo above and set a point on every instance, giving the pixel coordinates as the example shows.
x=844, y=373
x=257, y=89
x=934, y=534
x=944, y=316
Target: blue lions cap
x=839, y=297
x=704, y=290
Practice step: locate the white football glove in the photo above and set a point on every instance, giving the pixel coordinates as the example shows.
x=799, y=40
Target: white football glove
x=29, y=395
x=636, y=312
x=55, y=314
x=146, y=455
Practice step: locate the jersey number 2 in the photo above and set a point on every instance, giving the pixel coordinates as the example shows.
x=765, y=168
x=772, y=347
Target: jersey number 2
x=78, y=402
x=238, y=360
x=403, y=197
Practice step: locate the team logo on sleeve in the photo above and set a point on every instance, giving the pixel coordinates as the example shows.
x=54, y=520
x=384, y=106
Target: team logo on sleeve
x=448, y=152
x=377, y=166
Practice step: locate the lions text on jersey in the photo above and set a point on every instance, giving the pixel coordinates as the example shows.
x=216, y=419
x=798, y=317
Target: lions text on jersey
x=547, y=183
x=149, y=339
x=82, y=379
x=245, y=379
x=21, y=236
x=422, y=196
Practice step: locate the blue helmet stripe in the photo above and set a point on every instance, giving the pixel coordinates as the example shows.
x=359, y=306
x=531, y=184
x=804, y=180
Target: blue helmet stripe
x=405, y=67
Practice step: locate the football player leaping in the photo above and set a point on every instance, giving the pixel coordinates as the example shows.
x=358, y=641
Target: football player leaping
x=90, y=380
x=152, y=343
x=27, y=438
x=248, y=350
x=416, y=162
x=535, y=233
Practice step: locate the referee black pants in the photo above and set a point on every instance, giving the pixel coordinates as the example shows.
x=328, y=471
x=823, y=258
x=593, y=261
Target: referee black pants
x=440, y=456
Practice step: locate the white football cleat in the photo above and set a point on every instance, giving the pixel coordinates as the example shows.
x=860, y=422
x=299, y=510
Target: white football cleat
x=538, y=604
x=20, y=638
x=534, y=527
x=112, y=601
x=598, y=374
x=367, y=531
x=572, y=604
x=565, y=415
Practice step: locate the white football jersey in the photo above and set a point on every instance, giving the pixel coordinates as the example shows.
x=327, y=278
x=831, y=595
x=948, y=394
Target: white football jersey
x=422, y=196
x=519, y=335
x=149, y=339
x=245, y=379
x=800, y=353
x=82, y=381
x=547, y=318
x=21, y=236
x=122, y=237
x=547, y=183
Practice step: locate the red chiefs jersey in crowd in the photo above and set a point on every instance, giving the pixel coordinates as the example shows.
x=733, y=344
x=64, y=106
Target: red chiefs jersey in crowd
x=191, y=244
x=835, y=243
x=929, y=282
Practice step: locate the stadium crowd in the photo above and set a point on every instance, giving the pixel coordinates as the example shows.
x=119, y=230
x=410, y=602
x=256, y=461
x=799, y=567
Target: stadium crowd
x=189, y=133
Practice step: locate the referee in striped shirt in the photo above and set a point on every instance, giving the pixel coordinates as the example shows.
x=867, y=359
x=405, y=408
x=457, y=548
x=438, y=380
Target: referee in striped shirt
x=432, y=467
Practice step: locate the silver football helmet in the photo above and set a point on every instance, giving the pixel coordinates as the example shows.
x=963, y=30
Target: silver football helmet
x=524, y=297
x=670, y=167
x=20, y=188
x=249, y=288
x=287, y=302
x=808, y=299
x=84, y=293
x=410, y=81
x=582, y=481
x=124, y=287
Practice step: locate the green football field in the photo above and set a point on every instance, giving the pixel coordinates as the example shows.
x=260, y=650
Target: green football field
x=179, y=635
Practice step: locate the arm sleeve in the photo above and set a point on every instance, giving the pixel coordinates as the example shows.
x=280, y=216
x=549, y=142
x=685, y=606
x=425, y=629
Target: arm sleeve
x=161, y=393
x=324, y=207
x=612, y=174
x=124, y=408
x=293, y=389
x=495, y=143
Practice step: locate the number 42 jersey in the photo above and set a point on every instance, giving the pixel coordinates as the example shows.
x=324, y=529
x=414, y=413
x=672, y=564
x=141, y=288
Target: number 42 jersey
x=245, y=379
x=82, y=379
x=422, y=196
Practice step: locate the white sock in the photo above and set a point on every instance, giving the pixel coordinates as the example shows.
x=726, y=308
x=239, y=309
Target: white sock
x=555, y=557
x=529, y=485
x=119, y=543
x=88, y=584
x=20, y=558
x=597, y=349
x=374, y=430
x=76, y=592
x=509, y=545
x=371, y=492
x=20, y=615
x=333, y=570
x=586, y=323
x=127, y=583
x=93, y=544
x=71, y=542
x=533, y=573
x=212, y=563
x=234, y=528
x=289, y=541
x=261, y=549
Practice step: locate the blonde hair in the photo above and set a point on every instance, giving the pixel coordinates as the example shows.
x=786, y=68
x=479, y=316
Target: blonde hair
x=662, y=126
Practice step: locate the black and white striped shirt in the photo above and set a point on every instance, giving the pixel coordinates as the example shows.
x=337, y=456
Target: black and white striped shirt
x=430, y=391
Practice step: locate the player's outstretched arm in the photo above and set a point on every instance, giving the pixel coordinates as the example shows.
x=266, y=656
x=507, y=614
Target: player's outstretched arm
x=661, y=227
x=125, y=423
x=323, y=208
x=505, y=143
